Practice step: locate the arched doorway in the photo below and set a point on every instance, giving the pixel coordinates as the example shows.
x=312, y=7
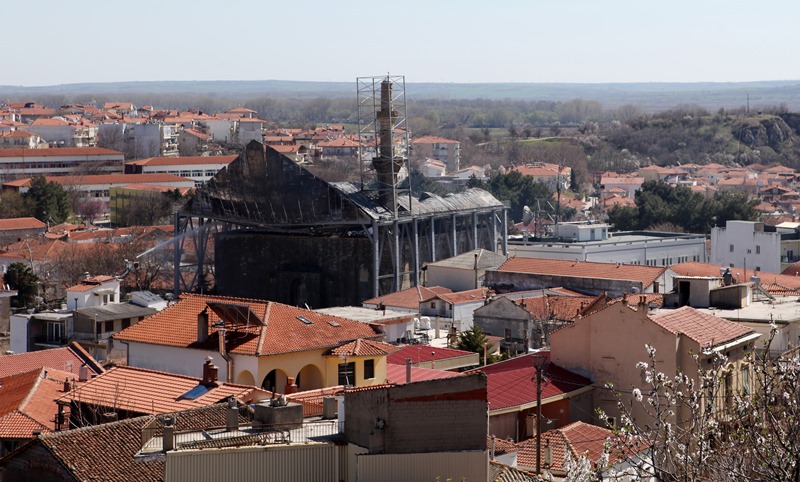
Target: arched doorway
x=310, y=378
x=275, y=381
x=246, y=378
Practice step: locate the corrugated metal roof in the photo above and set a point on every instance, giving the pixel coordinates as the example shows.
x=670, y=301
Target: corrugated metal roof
x=115, y=311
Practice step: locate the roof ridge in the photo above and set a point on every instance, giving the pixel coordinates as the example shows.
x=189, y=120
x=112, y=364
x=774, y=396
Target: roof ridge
x=263, y=331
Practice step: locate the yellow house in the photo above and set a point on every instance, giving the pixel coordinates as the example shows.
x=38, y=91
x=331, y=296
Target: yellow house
x=258, y=342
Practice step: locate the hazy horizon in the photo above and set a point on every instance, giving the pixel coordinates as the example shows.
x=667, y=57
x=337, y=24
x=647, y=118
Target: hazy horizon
x=469, y=42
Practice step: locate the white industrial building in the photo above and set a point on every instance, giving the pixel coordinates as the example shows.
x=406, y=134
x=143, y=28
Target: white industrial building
x=594, y=242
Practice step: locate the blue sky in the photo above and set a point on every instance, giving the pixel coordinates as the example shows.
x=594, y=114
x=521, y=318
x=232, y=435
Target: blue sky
x=56, y=42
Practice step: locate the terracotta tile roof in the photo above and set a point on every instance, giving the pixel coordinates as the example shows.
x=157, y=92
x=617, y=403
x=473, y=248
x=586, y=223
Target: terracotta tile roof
x=469, y=296
x=409, y=298
x=107, y=451
x=152, y=392
x=27, y=402
x=694, y=268
x=286, y=148
x=396, y=374
x=183, y=160
x=579, y=438
x=512, y=382
x=109, y=179
x=423, y=354
x=340, y=142
x=20, y=223
x=562, y=308
x=67, y=359
x=184, y=191
x=543, y=169
x=433, y=140
x=284, y=332
x=584, y=269
x=363, y=347
x=706, y=330
x=61, y=151
x=505, y=473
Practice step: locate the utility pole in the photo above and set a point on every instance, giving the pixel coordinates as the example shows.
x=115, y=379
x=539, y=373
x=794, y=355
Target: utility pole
x=540, y=362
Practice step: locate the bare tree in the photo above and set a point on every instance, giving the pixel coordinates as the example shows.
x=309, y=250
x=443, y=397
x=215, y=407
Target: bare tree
x=703, y=428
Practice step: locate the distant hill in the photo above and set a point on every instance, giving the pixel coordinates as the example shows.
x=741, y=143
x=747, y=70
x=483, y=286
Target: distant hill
x=649, y=96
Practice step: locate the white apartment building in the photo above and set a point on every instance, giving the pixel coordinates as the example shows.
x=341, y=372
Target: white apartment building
x=753, y=245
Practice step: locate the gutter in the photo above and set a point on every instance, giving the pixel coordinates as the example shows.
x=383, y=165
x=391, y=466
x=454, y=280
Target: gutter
x=224, y=352
x=738, y=341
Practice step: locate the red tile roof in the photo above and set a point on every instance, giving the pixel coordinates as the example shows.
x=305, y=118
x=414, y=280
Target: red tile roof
x=20, y=223
x=68, y=359
x=27, y=402
x=408, y=298
x=562, y=308
x=363, y=347
x=396, y=374
x=433, y=140
x=512, y=383
x=183, y=160
x=107, y=451
x=694, y=268
x=584, y=269
x=579, y=438
x=468, y=296
x=152, y=392
x=106, y=179
x=282, y=332
x=62, y=151
x=706, y=330
x=424, y=353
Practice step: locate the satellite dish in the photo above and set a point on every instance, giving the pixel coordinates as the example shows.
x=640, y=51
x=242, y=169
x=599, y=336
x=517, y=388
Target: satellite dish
x=527, y=216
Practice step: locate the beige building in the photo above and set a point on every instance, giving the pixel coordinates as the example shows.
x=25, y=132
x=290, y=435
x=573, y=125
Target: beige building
x=447, y=151
x=606, y=346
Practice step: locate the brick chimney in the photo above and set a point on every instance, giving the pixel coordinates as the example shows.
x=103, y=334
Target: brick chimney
x=210, y=373
x=291, y=386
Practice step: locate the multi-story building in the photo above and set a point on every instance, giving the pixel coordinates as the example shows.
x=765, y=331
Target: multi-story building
x=98, y=186
x=447, y=151
x=594, y=242
x=754, y=246
x=19, y=163
x=197, y=168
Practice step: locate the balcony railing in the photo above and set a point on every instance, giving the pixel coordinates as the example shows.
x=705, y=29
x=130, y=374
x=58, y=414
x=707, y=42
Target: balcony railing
x=153, y=438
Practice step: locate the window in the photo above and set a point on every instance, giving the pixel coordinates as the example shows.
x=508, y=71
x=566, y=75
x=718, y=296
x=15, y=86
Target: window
x=55, y=331
x=746, y=379
x=433, y=304
x=126, y=323
x=369, y=369
x=109, y=326
x=347, y=373
x=758, y=249
x=730, y=248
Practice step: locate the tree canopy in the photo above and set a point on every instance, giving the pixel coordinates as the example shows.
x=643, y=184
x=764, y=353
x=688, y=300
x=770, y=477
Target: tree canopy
x=21, y=278
x=658, y=203
x=50, y=201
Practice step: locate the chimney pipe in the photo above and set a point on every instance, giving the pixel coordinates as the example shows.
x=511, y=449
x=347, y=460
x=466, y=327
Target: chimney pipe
x=224, y=352
x=408, y=370
x=291, y=386
x=231, y=416
x=83, y=373
x=202, y=326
